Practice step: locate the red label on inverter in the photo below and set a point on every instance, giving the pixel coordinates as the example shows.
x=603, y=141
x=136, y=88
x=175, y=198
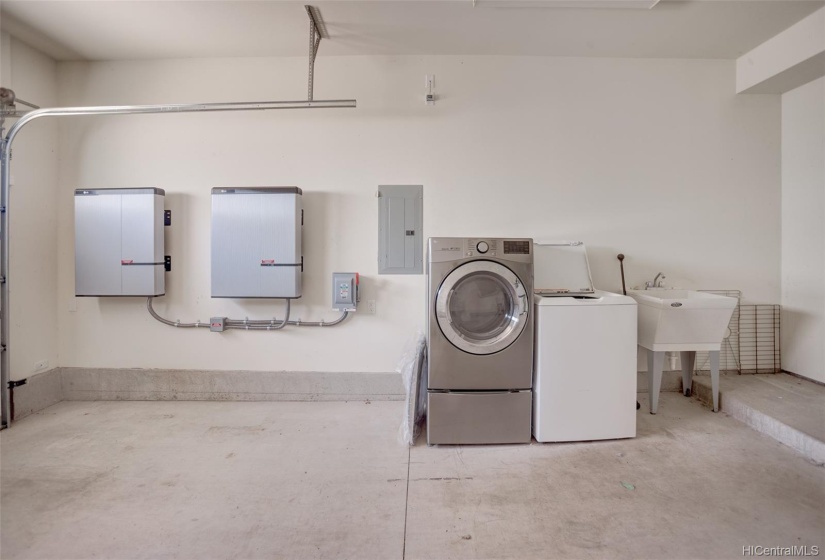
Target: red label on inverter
x=267, y=261
x=129, y=261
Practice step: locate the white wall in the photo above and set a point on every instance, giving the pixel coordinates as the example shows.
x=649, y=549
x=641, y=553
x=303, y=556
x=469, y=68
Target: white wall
x=657, y=159
x=32, y=213
x=803, y=230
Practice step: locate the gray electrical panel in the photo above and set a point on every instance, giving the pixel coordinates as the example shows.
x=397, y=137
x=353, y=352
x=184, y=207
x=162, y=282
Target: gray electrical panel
x=400, y=221
x=344, y=291
x=256, y=242
x=119, y=242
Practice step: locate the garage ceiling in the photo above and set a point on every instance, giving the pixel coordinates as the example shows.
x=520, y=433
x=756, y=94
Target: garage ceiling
x=149, y=29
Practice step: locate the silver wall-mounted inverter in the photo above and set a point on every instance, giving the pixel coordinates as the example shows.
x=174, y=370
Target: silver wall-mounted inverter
x=119, y=242
x=256, y=242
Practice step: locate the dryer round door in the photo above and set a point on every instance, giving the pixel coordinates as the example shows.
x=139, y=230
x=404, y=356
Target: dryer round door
x=482, y=307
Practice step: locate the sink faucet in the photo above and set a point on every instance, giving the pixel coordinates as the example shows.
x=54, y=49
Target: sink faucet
x=657, y=282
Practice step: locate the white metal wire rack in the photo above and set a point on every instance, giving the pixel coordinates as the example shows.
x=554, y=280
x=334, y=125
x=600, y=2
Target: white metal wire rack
x=759, y=339
x=751, y=343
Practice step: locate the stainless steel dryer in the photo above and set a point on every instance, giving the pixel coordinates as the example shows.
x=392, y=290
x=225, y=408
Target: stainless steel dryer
x=479, y=340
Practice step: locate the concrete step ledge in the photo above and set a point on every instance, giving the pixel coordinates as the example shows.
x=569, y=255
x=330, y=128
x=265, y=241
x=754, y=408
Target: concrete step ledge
x=743, y=397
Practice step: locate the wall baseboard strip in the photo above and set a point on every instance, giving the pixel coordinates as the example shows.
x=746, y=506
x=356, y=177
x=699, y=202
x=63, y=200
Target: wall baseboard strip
x=192, y=385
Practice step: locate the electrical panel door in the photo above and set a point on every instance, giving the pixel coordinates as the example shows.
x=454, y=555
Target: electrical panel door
x=400, y=221
x=256, y=242
x=119, y=242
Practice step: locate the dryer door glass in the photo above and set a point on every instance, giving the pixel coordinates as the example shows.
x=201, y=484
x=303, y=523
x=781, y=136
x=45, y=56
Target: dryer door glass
x=482, y=307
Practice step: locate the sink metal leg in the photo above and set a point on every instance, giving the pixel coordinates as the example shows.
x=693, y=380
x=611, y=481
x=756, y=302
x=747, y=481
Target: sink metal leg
x=714, y=378
x=655, y=364
x=688, y=359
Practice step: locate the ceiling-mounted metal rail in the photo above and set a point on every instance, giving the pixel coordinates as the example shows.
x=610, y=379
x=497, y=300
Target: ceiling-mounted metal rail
x=317, y=31
x=5, y=186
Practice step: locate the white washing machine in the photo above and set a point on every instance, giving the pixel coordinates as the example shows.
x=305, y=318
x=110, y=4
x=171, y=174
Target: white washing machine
x=584, y=385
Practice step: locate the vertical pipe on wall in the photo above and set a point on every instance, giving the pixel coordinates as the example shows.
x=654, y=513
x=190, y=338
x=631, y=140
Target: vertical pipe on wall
x=5, y=401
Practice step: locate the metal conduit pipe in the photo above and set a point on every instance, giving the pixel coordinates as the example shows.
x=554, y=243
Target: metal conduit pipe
x=296, y=323
x=178, y=324
x=262, y=326
x=5, y=184
x=340, y=319
x=250, y=325
x=270, y=325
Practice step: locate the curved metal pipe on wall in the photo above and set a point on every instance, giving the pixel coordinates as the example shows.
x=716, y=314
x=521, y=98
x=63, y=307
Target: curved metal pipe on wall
x=250, y=325
x=5, y=164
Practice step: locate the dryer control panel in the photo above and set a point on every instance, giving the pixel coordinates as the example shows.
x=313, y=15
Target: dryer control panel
x=443, y=249
x=486, y=247
x=516, y=247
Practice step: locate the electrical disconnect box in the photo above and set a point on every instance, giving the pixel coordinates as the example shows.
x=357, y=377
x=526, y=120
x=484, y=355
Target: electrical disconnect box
x=119, y=242
x=256, y=242
x=344, y=291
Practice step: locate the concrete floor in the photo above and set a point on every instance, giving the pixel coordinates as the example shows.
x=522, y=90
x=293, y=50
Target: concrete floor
x=789, y=409
x=329, y=480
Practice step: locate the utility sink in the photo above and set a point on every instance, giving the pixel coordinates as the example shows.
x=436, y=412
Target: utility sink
x=686, y=321
x=682, y=319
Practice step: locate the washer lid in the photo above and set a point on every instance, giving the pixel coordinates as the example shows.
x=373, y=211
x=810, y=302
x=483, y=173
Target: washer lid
x=561, y=269
x=596, y=298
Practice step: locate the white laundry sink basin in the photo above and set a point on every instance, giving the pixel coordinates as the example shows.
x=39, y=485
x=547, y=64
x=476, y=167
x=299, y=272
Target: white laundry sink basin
x=682, y=319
